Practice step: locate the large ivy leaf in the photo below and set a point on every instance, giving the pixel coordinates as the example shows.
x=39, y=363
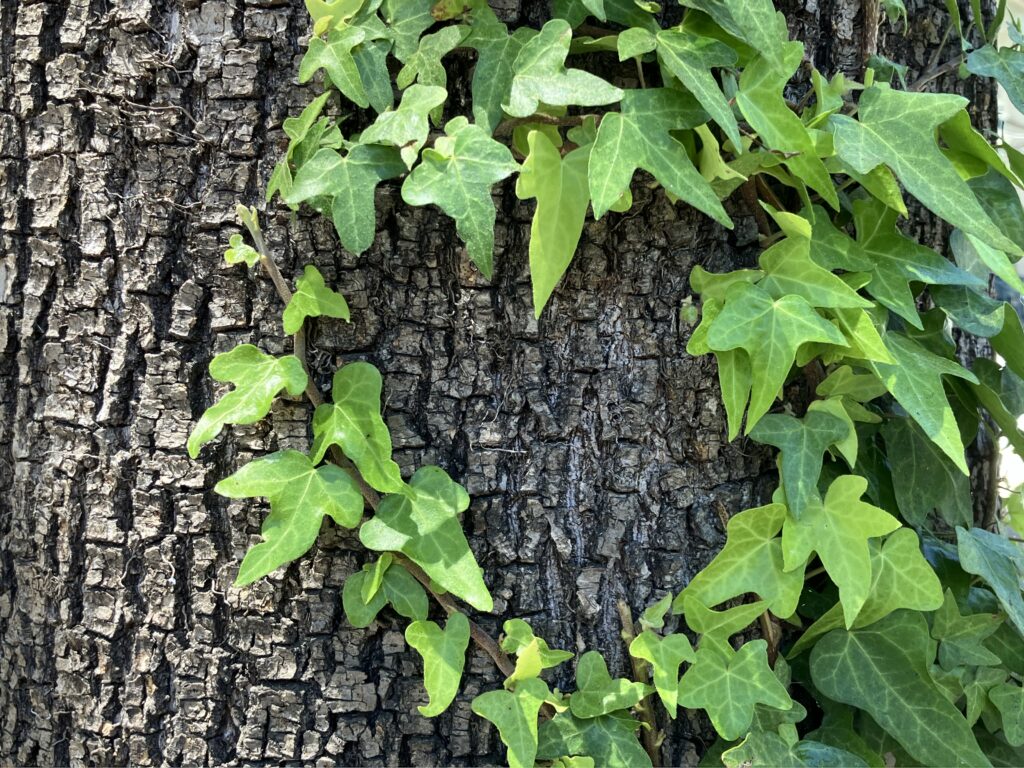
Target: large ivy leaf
x=999, y=563
x=1006, y=65
x=353, y=422
x=515, y=716
x=335, y=56
x=597, y=693
x=425, y=527
x=639, y=137
x=803, y=443
x=496, y=55
x=898, y=128
x=407, y=127
x=541, y=76
x=457, y=175
x=716, y=627
x=300, y=495
x=764, y=749
x=560, y=186
x=961, y=637
x=770, y=331
x=610, y=739
x=838, y=530
x=915, y=380
x=444, y=657
x=312, y=298
x=729, y=688
x=349, y=180
x=258, y=379
x=665, y=655
x=751, y=561
x=883, y=669
x=755, y=22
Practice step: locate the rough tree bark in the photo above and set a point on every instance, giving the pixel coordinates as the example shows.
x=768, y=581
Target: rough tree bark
x=594, y=448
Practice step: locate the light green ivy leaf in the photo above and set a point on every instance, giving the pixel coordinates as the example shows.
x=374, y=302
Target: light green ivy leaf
x=716, y=627
x=240, y=252
x=425, y=67
x=312, y=298
x=515, y=716
x=764, y=749
x=665, y=655
x=406, y=20
x=407, y=127
x=444, y=657
x=597, y=693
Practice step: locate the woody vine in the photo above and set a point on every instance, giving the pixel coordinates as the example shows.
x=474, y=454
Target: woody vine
x=902, y=620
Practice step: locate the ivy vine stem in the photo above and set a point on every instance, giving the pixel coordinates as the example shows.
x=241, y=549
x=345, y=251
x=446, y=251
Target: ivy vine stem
x=641, y=673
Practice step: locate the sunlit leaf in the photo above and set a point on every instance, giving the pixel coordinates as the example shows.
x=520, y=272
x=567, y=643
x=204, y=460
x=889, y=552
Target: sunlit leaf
x=444, y=656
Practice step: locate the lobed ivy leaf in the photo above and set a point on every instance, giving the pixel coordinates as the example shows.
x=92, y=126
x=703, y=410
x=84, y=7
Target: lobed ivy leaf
x=559, y=185
x=334, y=55
x=610, y=739
x=397, y=587
x=425, y=527
x=258, y=379
x=407, y=127
x=240, y=252
x=755, y=22
x=1008, y=698
x=515, y=716
x=789, y=270
x=716, y=627
x=533, y=654
x=961, y=637
x=729, y=687
x=883, y=669
x=764, y=749
x=457, y=175
x=597, y=693
x=406, y=21
x=312, y=298
x=640, y=137
x=354, y=423
x=444, y=656
x=300, y=495
x=540, y=75
x=838, y=529
x=751, y=561
x=665, y=655
x=653, y=616
x=969, y=309
x=333, y=11
x=425, y=67
x=999, y=563
x=495, y=65
x=372, y=62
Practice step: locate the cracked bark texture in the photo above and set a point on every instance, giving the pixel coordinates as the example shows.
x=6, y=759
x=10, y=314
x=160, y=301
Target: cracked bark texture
x=593, y=447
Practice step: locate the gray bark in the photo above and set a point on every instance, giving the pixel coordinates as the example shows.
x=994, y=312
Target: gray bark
x=593, y=446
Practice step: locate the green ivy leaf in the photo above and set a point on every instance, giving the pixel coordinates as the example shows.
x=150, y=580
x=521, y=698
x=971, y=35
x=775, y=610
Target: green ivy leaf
x=1008, y=698
x=372, y=62
x=771, y=332
x=763, y=749
x=610, y=740
x=353, y=422
x=716, y=627
x=803, y=443
x=541, y=76
x=239, y=252
x=312, y=298
x=751, y=561
x=560, y=186
x=597, y=693
x=425, y=527
x=425, y=67
x=495, y=65
x=999, y=563
x=1006, y=65
x=653, y=616
x=335, y=56
x=665, y=655
x=333, y=11
x=300, y=496
x=960, y=637
x=898, y=128
x=975, y=257
x=457, y=175
x=350, y=181
x=639, y=137
x=729, y=688
x=838, y=530
x=515, y=716
x=755, y=22
x=258, y=379
x=789, y=270
x=444, y=657
x=397, y=587
x=407, y=127
x=406, y=20
x=359, y=610
x=533, y=653
x=883, y=669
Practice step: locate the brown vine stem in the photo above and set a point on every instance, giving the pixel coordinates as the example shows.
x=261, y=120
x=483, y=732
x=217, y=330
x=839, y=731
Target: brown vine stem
x=485, y=642
x=934, y=73
x=641, y=674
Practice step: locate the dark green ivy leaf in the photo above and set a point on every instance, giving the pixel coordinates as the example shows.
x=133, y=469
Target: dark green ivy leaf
x=610, y=739
x=1000, y=563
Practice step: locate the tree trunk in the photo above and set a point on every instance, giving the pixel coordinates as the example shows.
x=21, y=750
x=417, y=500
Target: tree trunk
x=593, y=446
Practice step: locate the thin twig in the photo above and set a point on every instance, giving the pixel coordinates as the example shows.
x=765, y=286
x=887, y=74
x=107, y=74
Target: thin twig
x=936, y=72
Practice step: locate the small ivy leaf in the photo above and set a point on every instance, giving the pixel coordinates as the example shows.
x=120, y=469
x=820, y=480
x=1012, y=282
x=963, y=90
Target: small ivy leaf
x=444, y=657
x=597, y=693
x=837, y=729
x=961, y=637
x=763, y=749
x=716, y=627
x=397, y=587
x=714, y=286
x=843, y=382
x=335, y=56
x=803, y=443
x=353, y=422
x=300, y=496
x=359, y=611
x=729, y=688
x=751, y=561
x=495, y=65
x=883, y=670
x=560, y=186
x=965, y=142
x=915, y=380
x=897, y=128
x=541, y=76
x=515, y=716
x=610, y=739
x=999, y=563
x=653, y=616
x=1006, y=65
x=1008, y=698
x=306, y=133
x=349, y=180
x=258, y=379
x=407, y=127
x=457, y=175
x=425, y=527
x=690, y=58
x=789, y=270
x=755, y=22
x=425, y=66
x=735, y=379
x=771, y=332
x=976, y=683
x=241, y=252
x=312, y=298
x=533, y=653
x=376, y=570
x=665, y=655
x=406, y=20
x=838, y=530
x=970, y=310
x=849, y=446
x=333, y=11
x=640, y=137
x=405, y=594
x=635, y=42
